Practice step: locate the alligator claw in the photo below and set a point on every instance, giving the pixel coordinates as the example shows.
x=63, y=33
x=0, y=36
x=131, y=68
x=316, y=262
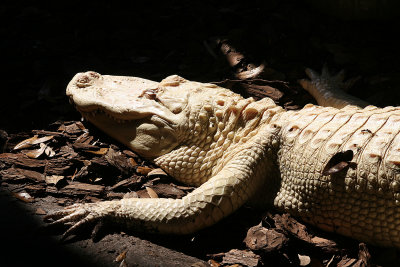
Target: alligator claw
x=76, y=217
x=326, y=77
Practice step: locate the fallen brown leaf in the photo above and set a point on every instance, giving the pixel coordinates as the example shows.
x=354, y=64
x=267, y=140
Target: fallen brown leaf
x=213, y=263
x=132, y=162
x=25, y=143
x=40, y=211
x=126, y=183
x=23, y=196
x=142, y=194
x=304, y=260
x=34, y=154
x=101, y=151
x=121, y=256
x=54, y=179
x=168, y=191
x=49, y=152
x=157, y=172
x=151, y=192
x=249, y=74
x=32, y=141
x=143, y=170
x=338, y=162
x=261, y=238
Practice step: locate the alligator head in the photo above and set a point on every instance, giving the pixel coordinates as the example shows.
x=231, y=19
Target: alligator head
x=142, y=114
x=149, y=117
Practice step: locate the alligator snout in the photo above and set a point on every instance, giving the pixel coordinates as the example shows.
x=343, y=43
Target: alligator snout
x=86, y=79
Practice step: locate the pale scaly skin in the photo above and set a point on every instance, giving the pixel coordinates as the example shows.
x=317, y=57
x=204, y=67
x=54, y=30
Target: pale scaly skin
x=238, y=150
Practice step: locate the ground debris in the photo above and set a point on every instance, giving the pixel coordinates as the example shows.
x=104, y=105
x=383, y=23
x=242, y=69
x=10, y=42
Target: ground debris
x=129, y=183
x=73, y=127
x=21, y=160
x=23, y=196
x=84, y=146
x=78, y=189
x=32, y=141
x=243, y=257
x=151, y=192
x=143, y=170
x=54, y=179
x=119, y=161
x=121, y=256
x=281, y=238
x=21, y=175
x=267, y=240
x=156, y=173
x=3, y=140
x=167, y=191
x=338, y=162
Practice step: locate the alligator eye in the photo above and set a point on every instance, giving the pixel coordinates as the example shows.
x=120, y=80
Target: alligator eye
x=150, y=94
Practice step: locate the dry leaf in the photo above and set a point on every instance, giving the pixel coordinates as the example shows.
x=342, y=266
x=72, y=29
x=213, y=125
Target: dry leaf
x=73, y=175
x=42, y=139
x=80, y=125
x=49, y=152
x=157, y=172
x=24, y=197
x=26, y=143
x=143, y=170
x=40, y=211
x=84, y=138
x=121, y=256
x=54, y=179
x=338, y=162
x=101, y=151
x=33, y=141
x=304, y=260
x=267, y=240
x=250, y=73
x=213, y=263
x=34, y=154
x=142, y=194
x=132, y=162
x=151, y=192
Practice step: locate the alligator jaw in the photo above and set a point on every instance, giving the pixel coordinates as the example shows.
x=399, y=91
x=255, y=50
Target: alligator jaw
x=120, y=98
x=127, y=109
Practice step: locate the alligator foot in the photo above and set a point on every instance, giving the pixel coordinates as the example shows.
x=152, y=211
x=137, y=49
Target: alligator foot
x=330, y=90
x=78, y=216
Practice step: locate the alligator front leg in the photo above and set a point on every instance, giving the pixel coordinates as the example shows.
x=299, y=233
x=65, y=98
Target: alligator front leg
x=330, y=90
x=215, y=199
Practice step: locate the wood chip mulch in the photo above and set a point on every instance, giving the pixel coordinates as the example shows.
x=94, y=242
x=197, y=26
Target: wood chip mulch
x=71, y=164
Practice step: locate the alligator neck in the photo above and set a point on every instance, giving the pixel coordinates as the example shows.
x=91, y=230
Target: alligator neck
x=215, y=133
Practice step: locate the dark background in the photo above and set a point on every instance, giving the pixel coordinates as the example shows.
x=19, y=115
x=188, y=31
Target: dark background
x=43, y=46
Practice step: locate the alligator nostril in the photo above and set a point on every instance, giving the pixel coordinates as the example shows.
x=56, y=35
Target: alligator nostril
x=86, y=79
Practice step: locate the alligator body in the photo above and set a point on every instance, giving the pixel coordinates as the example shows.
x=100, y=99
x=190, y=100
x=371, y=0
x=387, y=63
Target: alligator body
x=238, y=150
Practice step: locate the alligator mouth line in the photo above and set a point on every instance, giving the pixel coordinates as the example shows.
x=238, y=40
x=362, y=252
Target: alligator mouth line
x=99, y=112
x=88, y=115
